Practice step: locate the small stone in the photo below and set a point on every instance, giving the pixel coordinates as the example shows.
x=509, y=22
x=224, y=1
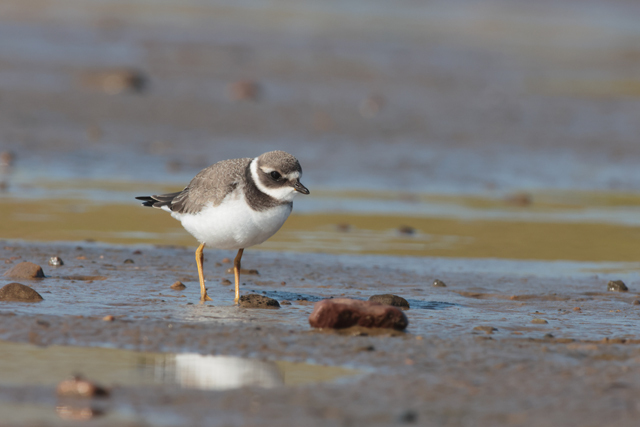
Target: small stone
x=343, y=227
x=407, y=229
x=25, y=270
x=408, y=417
x=539, y=321
x=137, y=252
x=17, y=292
x=178, y=286
x=243, y=271
x=81, y=257
x=79, y=387
x=115, y=81
x=225, y=282
x=486, y=329
x=636, y=302
x=285, y=302
x=128, y=261
x=226, y=261
x=341, y=313
x=283, y=283
x=109, y=318
x=257, y=301
x=577, y=309
x=439, y=284
x=390, y=299
x=548, y=336
x=617, y=286
x=519, y=199
x=55, y=261
x=244, y=90
x=7, y=158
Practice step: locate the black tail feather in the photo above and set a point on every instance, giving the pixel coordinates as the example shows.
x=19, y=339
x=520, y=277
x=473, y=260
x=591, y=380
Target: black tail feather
x=158, y=201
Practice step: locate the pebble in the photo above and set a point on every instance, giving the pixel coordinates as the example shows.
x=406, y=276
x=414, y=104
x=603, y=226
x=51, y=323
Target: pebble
x=439, y=284
x=226, y=261
x=244, y=90
x=539, y=321
x=486, y=329
x=577, y=309
x=79, y=387
x=617, y=286
x=55, y=261
x=225, y=282
x=257, y=301
x=178, y=286
x=390, y=299
x=636, y=302
x=115, y=81
x=109, y=318
x=19, y=293
x=25, y=270
x=129, y=261
x=407, y=229
x=341, y=313
x=285, y=302
x=243, y=271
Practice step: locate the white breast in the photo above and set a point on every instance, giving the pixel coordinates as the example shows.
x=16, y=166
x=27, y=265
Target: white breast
x=233, y=224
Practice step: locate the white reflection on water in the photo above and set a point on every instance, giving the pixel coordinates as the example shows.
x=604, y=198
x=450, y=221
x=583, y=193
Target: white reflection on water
x=191, y=370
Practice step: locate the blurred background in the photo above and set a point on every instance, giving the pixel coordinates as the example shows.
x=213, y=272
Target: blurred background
x=496, y=129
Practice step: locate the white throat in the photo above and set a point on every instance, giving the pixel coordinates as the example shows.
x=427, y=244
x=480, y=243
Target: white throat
x=283, y=194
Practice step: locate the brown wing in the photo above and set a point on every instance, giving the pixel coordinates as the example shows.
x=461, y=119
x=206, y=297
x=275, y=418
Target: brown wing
x=210, y=185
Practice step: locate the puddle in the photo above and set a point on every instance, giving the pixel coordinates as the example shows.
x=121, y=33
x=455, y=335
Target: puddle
x=463, y=227
x=28, y=365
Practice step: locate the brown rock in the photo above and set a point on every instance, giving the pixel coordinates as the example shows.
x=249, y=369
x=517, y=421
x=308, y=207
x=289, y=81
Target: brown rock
x=539, y=321
x=79, y=387
x=345, y=312
x=390, y=299
x=109, y=318
x=486, y=329
x=636, y=302
x=439, y=284
x=257, y=301
x=617, y=286
x=243, y=271
x=244, y=90
x=25, y=270
x=225, y=282
x=178, y=286
x=19, y=293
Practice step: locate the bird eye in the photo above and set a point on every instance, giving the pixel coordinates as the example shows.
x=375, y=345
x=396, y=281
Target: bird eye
x=275, y=175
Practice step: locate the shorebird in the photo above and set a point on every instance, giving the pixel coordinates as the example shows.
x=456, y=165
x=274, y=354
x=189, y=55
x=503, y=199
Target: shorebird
x=235, y=204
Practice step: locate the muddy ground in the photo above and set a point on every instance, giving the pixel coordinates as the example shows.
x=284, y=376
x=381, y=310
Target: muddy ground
x=579, y=368
x=406, y=107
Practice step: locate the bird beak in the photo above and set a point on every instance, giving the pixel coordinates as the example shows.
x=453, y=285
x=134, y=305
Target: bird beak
x=299, y=187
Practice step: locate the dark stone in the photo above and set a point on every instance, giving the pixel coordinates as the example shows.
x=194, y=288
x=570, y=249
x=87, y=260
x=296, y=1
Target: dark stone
x=390, y=299
x=25, y=270
x=55, y=261
x=19, y=293
x=407, y=229
x=285, y=302
x=636, y=302
x=408, y=417
x=486, y=329
x=128, y=261
x=178, y=286
x=257, y=301
x=341, y=313
x=225, y=282
x=243, y=271
x=439, y=284
x=617, y=286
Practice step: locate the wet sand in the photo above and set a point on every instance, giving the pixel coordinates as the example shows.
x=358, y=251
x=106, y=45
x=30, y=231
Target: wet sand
x=471, y=355
x=489, y=146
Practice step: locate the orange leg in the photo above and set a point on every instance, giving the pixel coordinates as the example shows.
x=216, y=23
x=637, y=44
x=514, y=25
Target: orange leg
x=203, y=291
x=236, y=273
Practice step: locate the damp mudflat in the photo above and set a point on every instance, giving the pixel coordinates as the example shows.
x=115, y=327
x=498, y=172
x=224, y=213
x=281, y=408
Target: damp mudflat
x=492, y=147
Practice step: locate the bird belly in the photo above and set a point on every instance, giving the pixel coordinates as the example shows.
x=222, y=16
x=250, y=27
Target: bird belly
x=233, y=224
